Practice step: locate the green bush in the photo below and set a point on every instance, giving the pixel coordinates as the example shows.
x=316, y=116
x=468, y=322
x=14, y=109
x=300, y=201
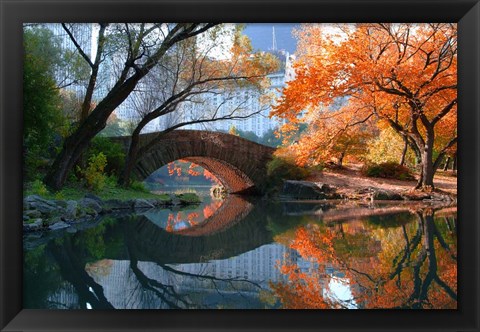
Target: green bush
x=139, y=186
x=113, y=152
x=94, y=173
x=389, y=170
x=38, y=188
x=279, y=169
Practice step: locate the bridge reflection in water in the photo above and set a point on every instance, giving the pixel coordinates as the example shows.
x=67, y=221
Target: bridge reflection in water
x=243, y=255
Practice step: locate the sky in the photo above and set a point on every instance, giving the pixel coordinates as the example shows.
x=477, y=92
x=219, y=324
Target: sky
x=261, y=36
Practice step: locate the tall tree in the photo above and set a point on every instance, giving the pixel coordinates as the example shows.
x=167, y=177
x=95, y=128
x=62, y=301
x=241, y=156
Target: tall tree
x=404, y=75
x=189, y=76
x=139, y=48
x=41, y=100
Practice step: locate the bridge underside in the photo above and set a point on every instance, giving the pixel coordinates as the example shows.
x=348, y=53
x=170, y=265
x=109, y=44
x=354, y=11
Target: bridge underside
x=239, y=164
x=234, y=180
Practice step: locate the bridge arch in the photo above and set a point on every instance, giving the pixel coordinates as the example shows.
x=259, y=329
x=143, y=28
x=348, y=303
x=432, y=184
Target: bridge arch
x=238, y=163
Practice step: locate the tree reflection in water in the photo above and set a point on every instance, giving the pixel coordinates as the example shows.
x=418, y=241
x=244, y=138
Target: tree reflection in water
x=339, y=257
x=409, y=264
x=84, y=264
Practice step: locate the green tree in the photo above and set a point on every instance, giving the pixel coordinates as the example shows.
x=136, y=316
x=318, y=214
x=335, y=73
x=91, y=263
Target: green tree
x=141, y=49
x=271, y=139
x=41, y=101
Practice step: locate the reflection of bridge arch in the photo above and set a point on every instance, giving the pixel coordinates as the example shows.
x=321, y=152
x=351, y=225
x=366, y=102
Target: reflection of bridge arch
x=238, y=163
x=155, y=244
x=233, y=210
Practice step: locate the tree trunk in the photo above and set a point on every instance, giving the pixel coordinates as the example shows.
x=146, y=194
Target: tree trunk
x=73, y=148
x=340, y=159
x=447, y=163
x=427, y=162
x=130, y=161
x=404, y=151
x=76, y=143
x=454, y=166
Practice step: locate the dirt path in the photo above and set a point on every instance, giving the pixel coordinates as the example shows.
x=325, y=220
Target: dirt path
x=350, y=180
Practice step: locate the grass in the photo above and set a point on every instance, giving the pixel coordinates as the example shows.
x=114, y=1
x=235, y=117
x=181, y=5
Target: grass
x=189, y=198
x=77, y=191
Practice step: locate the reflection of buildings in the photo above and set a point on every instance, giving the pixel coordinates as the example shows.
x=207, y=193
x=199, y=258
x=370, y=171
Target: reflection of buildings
x=258, y=265
x=65, y=297
x=218, y=283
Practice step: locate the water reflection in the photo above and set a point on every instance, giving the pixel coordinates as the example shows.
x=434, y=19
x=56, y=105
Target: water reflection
x=250, y=254
x=379, y=262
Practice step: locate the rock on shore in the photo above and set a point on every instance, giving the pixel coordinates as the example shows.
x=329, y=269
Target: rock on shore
x=43, y=214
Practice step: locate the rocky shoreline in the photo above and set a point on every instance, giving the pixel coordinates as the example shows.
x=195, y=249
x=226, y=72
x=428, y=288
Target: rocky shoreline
x=40, y=214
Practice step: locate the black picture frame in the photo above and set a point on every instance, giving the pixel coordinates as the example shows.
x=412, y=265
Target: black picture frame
x=14, y=13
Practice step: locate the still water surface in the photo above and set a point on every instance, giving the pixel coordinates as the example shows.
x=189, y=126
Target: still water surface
x=239, y=253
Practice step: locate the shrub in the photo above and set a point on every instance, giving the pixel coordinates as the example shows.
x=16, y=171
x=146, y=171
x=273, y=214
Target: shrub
x=279, y=169
x=138, y=186
x=113, y=152
x=94, y=173
x=317, y=168
x=39, y=188
x=111, y=181
x=389, y=170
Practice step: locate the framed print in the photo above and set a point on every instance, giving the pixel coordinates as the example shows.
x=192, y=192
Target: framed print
x=292, y=165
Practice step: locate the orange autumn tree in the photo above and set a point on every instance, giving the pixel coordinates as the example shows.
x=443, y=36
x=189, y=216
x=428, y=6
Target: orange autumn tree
x=400, y=75
x=330, y=136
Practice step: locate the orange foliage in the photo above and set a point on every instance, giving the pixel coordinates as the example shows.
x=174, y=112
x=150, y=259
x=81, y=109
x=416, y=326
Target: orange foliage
x=402, y=273
x=400, y=75
x=210, y=209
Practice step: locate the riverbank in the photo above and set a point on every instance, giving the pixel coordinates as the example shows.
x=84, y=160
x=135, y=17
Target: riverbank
x=44, y=214
x=349, y=184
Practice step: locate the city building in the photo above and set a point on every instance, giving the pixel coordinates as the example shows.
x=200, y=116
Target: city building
x=85, y=35
x=242, y=102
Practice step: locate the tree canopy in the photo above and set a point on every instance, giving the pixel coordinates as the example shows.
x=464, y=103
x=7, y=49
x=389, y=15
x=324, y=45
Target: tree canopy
x=402, y=76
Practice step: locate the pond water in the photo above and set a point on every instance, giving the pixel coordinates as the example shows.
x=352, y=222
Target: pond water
x=244, y=253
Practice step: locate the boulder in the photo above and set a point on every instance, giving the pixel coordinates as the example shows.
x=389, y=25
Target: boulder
x=142, y=204
x=116, y=204
x=71, y=211
x=58, y=225
x=416, y=195
x=94, y=197
x=33, y=225
x=306, y=190
x=386, y=195
x=44, y=206
x=32, y=213
x=61, y=203
x=89, y=204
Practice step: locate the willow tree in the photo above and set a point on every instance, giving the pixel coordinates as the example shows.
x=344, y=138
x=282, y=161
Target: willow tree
x=401, y=75
x=139, y=48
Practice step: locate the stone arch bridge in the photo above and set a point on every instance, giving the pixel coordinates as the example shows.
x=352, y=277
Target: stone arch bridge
x=240, y=164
